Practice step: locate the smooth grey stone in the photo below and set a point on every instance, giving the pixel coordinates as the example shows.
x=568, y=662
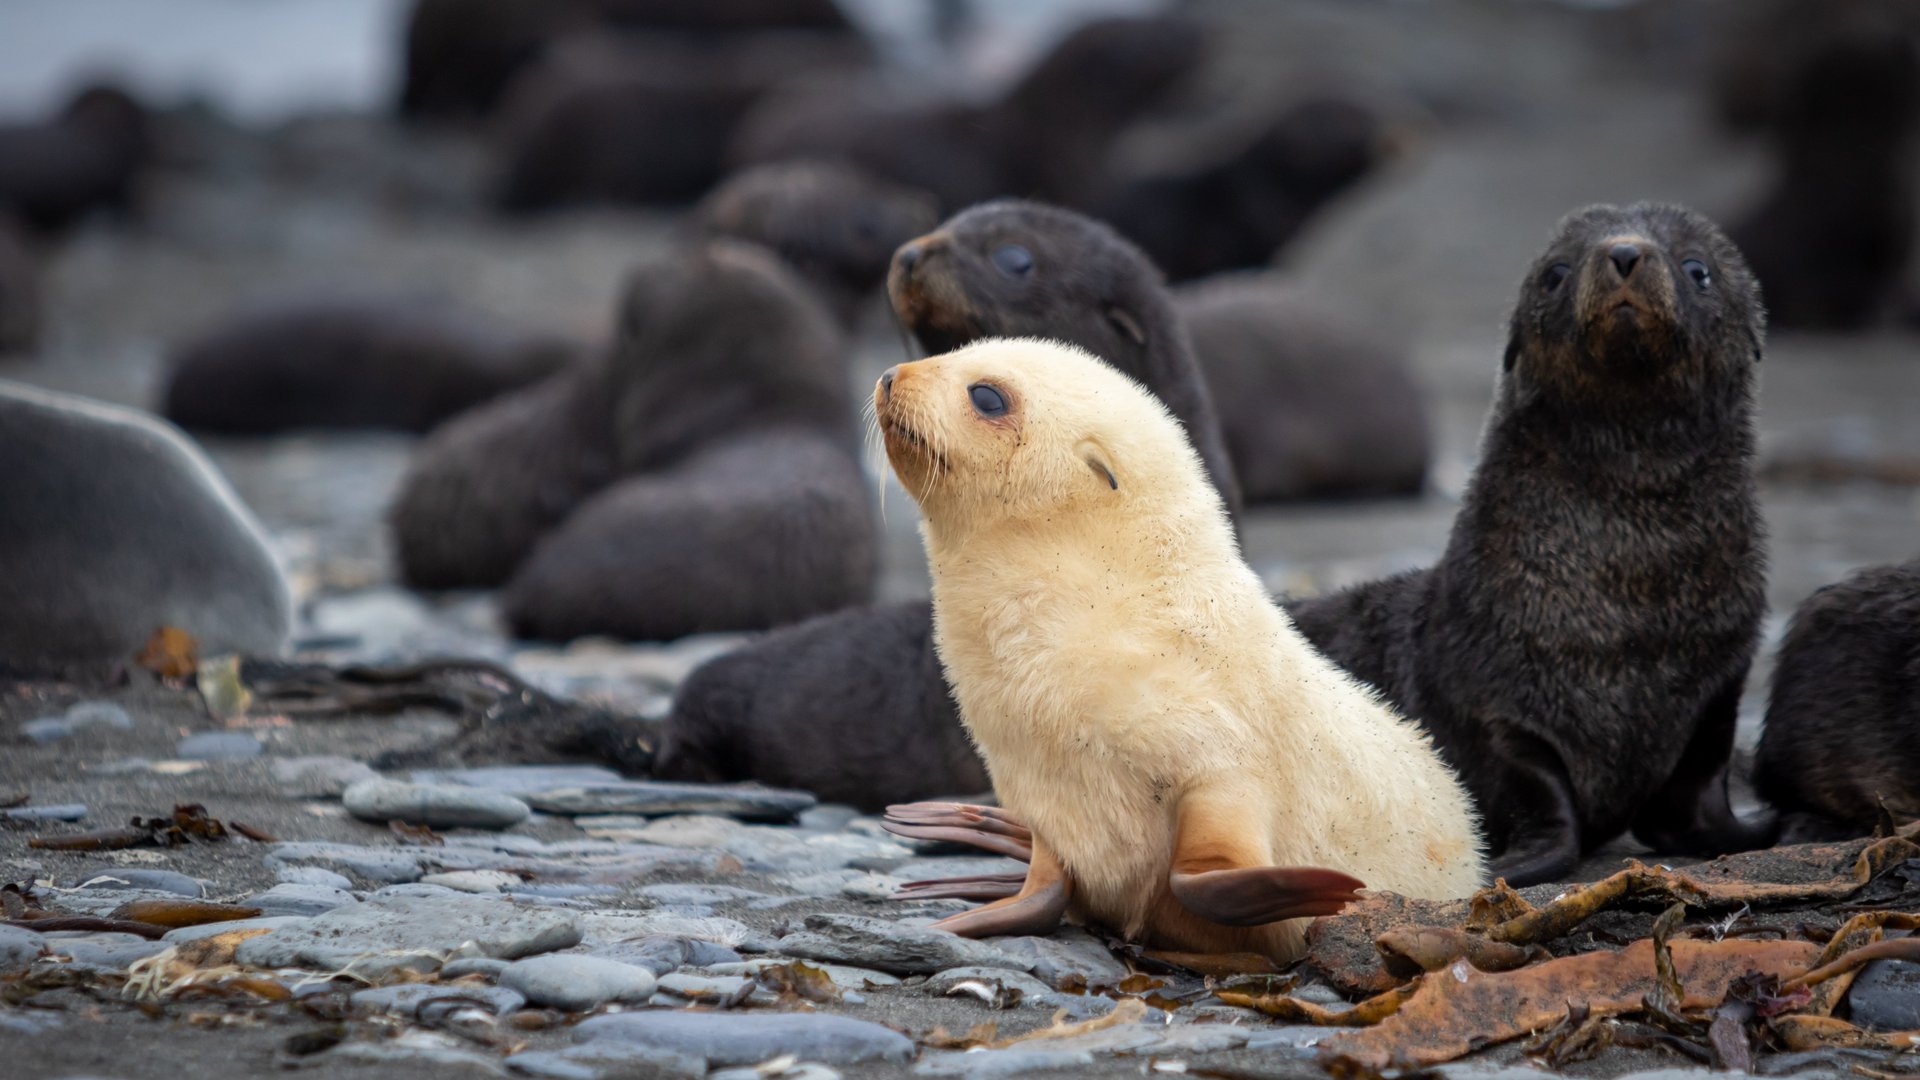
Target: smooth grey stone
x=473, y=965
x=607, y=927
x=99, y=714
x=313, y=876
x=660, y=953
x=861, y=941
x=472, y=881
x=805, y=1070
x=1319, y=994
x=521, y=780
x=1885, y=996
x=104, y=951
x=19, y=947
x=609, y=1060
x=749, y=1038
x=45, y=729
x=125, y=766
x=322, y=777
x=827, y=817
x=955, y=866
x=390, y=932
x=576, y=982
x=846, y=978
x=56, y=812
x=1648, y=1074
x=1069, y=950
x=686, y=893
x=442, y=806
x=386, y=865
x=1013, y=1061
x=407, y=889
x=217, y=746
x=561, y=890
x=412, y=1049
x=651, y=798
x=215, y=929
x=122, y=878
x=704, y=989
x=1303, y=1037
x=1032, y=990
x=407, y=998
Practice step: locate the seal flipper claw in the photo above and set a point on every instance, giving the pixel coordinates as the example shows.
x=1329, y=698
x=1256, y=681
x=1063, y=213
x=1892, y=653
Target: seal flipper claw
x=987, y=827
x=1036, y=909
x=1256, y=895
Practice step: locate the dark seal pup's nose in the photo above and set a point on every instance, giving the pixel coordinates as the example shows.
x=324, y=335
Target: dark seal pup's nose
x=1625, y=257
x=905, y=259
x=886, y=385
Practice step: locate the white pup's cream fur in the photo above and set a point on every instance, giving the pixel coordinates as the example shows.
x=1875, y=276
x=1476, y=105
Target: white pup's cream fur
x=1114, y=657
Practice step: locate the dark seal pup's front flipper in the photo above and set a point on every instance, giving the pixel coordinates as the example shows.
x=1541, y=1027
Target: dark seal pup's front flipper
x=1543, y=843
x=1217, y=872
x=987, y=827
x=1691, y=814
x=970, y=887
x=1036, y=909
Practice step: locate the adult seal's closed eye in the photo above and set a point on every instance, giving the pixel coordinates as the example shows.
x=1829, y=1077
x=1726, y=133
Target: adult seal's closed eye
x=1579, y=652
x=1193, y=774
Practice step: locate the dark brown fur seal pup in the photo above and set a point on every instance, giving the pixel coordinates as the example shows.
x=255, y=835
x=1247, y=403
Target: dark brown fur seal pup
x=1047, y=138
x=88, y=158
x=641, y=119
x=836, y=225
x=1841, y=746
x=1833, y=236
x=1239, y=211
x=350, y=361
x=1006, y=269
x=19, y=290
x=1579, y=652
x=719, y=348
x=1312, y=406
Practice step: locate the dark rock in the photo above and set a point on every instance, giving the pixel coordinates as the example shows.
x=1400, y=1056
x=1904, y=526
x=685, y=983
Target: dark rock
x=745, y=1039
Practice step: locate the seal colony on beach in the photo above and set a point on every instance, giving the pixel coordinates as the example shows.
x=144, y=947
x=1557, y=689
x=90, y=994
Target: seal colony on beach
x=1193, y=774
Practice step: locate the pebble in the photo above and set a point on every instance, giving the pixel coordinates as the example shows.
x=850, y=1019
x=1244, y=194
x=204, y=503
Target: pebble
x=749, y=1038
x=413, y=1049
x=805, y=1070
x=321, y=777
x=862, y=941
x=827, y=817
x=388, y=933
x=313, y=875
x=19, y=947
x=651, y=798
x=660, y=953
x=473, y=965
x=723, y=990
x=121, y=878
x=217, y=746
x=215, y=929
x=683, y=893
x=608, y=1060
x=83, y=716
x=846, y=978
x=56, y=812
x=103, y=951
x=758, y=847
x=473, y=881
x=605, y=928
x=521, y=779
x=374, y=864
x=1032, y=990
x=441, y=806
x=407, y=998
x=1068, y=951
x=576, y=982
x=1886, y=996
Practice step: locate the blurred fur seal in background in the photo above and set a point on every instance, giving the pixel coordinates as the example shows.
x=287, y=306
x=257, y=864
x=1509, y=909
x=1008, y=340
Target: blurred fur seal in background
x=836, y=225
x=1048, y=137
x=88, y=158
x=1840, y=751
x=1194, y=775
x=1006, y=268
x=115, y=526
x=1312, y=405
x=348, y=362
x=1579, y=652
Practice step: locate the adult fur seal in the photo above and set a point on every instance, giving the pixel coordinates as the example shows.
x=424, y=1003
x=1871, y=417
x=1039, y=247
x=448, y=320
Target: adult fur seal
x=1579, y=651
x=1192, y=772
x=1312, y=405
x=1841, y=745
x=351, y=361
x=1048, y=137
x=117, y=525
x=836, y=225
x=1004, y=269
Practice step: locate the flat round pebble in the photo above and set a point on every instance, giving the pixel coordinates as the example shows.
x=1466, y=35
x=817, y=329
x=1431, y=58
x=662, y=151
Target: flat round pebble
x=217, y=746
x=56, y=812
x=576, y=982
x=750, y=1038
x=313, y=875
x=473, y=965
x=407, y=998
x=1885, y=996
x=473, y=881
x=442, y=806
x=215, y=929
x=19, y=947
x=134, y=877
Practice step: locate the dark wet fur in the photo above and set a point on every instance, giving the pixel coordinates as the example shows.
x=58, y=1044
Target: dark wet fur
x=836, y=225
x=1312, y=406
x=86, y=159
x=1832, y=237
x=1241, y=210
x=854, y=706
x=350, y=362
x=19, y=290
x=722, y=407
x=1047, y=138
x=1579, y=651
x=641, y=120
x=1842, y=737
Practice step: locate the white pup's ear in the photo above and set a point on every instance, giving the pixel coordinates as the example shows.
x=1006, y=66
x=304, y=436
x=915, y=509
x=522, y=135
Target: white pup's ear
x=1099, y=461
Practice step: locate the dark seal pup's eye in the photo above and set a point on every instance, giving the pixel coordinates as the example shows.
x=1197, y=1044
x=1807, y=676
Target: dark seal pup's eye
x=986, y=400
x=1698, y=271
x=1013, y=260
x=1554, y=275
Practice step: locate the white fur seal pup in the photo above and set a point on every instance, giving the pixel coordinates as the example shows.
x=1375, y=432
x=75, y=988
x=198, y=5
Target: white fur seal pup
x=1194, y=775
